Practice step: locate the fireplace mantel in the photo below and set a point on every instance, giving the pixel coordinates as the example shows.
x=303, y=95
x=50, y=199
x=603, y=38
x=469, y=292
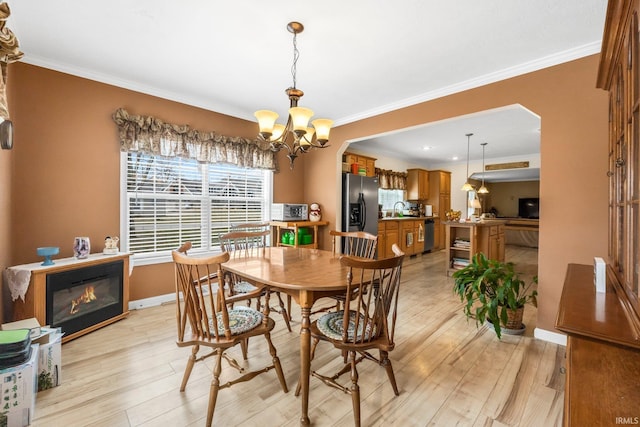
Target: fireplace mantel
x=30, y=297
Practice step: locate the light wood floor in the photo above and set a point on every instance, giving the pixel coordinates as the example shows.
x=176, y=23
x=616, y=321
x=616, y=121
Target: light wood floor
x=448, y=371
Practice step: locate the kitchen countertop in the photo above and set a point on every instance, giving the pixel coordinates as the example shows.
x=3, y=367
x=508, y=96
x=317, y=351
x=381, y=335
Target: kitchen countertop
x=402, y=218
x=478, y=223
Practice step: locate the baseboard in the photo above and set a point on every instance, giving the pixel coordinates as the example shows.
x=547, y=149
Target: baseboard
x=151, y=302
x=554, y=337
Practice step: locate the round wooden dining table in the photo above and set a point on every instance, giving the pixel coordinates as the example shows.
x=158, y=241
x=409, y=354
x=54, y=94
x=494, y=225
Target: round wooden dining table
x=305, y=274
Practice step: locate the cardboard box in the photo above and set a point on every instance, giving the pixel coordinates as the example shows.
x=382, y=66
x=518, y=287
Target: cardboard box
x=18, y=392
x=49, y=358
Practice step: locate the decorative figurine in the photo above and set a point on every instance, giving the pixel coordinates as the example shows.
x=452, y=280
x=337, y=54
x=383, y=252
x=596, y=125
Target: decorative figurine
x=110, y=245
x=315, y=214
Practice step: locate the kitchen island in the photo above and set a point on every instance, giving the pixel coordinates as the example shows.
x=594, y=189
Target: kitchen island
x=465, y=239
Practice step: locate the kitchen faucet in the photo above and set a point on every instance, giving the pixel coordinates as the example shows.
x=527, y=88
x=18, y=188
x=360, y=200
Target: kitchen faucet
x=394, y=208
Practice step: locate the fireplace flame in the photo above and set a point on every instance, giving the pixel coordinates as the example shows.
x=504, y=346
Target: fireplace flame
x=85, y=298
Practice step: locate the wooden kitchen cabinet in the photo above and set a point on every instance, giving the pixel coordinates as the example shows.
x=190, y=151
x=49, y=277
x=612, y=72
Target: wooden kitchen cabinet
x=417, y=184
x=491, y=241
x=408, y=237
x=440, y=199
x=380, y=247
x=438, y=237
x=465, y=239
x=387, y=236
x=368, y=162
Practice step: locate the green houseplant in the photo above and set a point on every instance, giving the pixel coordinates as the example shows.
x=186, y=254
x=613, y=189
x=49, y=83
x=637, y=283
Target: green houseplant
x=493, y=291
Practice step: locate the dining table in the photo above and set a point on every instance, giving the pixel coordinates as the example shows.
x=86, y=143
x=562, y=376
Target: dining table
x=304, y=273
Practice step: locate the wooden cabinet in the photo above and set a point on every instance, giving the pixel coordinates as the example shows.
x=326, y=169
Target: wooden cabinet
x=619, y=73
x=603, y=329
x=380, y=248
x=603, y=351
x=440, y=199
x=417, y=184
x=295, y=226
x=387, y=236
x=369, y=163
x=491, y=241
x=464, y=240
x=408, y=238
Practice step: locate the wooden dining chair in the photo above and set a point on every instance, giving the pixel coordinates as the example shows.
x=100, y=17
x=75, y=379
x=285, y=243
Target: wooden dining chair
x=353, y=243
x=204, y=323
x=242, y=243
x=371, y=313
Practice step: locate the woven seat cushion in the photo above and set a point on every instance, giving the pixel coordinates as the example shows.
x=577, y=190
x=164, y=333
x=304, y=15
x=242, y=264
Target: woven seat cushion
x=332, y=326
x=241, y=319
x=243, y=287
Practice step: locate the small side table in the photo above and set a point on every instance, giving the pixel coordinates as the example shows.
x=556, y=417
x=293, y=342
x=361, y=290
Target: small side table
x=295, y=226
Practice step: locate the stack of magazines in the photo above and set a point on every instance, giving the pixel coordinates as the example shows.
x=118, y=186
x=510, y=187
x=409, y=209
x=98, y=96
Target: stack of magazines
x=461, y=243
x=460, y=262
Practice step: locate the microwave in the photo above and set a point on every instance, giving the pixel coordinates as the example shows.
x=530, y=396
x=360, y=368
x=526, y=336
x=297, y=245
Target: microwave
x=289, y=212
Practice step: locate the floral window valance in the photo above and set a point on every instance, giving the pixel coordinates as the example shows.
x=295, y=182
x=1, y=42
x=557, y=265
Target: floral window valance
x=151, y=135
x=391, y=180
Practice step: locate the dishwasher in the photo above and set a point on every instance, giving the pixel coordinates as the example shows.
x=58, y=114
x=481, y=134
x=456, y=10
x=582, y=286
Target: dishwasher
x=428, y=235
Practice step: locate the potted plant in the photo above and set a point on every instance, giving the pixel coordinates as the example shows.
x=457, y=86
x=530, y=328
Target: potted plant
x=493, y=291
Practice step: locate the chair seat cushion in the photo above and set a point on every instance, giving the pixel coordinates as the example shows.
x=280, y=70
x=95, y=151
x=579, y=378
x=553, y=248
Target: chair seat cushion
x=241, y=319
x=332, y=326
x=243, y=287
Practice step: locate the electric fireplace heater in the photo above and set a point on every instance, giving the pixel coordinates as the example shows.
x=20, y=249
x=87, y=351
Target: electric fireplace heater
x=82, y=298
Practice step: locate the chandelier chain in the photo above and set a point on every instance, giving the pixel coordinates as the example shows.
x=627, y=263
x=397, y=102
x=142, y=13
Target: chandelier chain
x=296, y=55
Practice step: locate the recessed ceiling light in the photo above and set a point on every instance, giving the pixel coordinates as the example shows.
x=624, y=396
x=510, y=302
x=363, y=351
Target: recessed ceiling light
x=426, y=147
x=455, y=157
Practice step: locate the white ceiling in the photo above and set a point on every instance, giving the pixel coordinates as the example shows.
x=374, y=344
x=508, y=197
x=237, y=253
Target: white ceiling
x=358, y=58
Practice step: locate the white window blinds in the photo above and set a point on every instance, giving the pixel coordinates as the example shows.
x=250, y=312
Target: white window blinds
x=171, y=200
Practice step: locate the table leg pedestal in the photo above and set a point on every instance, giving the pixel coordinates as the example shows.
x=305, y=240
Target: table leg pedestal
x=305, y=363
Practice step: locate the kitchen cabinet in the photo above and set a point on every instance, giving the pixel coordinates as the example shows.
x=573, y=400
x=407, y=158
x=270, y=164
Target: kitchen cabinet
x=408, y=240
x=382, y=238
x=465, y=239
x=491, y=242
x=369, y=163
x=417, y=184
x=391, y=237
x=440, y=199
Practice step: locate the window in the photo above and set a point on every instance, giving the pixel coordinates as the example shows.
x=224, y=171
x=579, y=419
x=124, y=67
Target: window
x=388, y=198
x=169, y=200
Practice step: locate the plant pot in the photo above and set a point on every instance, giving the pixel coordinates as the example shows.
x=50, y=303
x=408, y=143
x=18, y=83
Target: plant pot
x=514, y=320
x=514, y=324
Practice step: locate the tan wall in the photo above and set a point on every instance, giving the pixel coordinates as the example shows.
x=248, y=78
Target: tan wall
x=573, y=161
x=66, y=163
x=504, y=196
x=65, y=179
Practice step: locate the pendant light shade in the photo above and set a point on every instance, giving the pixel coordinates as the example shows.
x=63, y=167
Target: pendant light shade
x=483, y=189
x=467, y=186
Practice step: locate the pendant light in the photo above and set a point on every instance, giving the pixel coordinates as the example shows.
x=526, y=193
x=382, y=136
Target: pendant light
x=483, y=189
x=467, y=186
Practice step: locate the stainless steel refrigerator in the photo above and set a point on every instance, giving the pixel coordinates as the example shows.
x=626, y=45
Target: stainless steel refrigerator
x=359, y=203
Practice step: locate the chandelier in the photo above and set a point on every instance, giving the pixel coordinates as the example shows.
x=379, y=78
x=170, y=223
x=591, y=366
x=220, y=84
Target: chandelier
x=296, y=136
x=467, y=186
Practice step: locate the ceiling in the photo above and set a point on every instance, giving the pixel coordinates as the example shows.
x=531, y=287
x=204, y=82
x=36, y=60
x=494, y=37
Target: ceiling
x=357, y=59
